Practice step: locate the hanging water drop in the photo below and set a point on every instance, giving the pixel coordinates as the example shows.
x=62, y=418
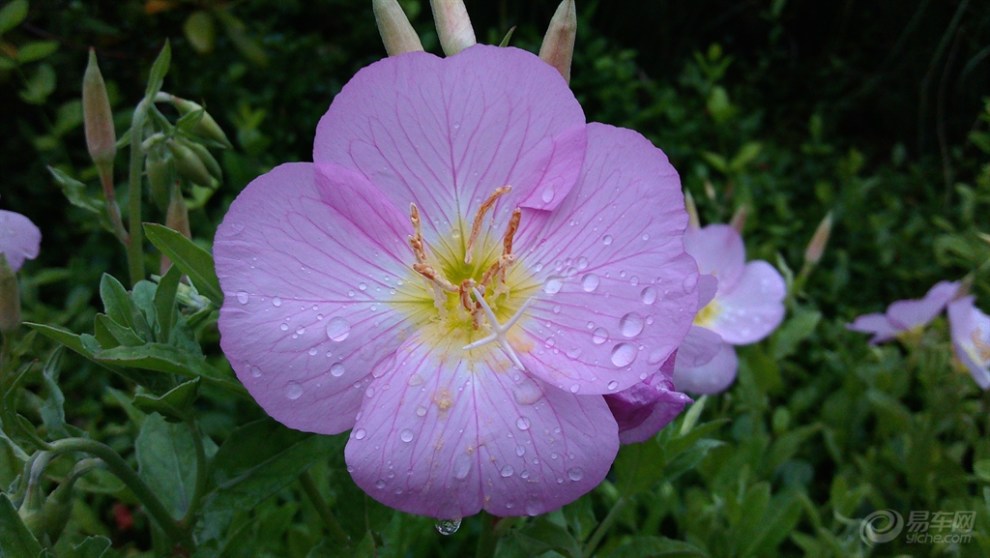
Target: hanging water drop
x=448, y=527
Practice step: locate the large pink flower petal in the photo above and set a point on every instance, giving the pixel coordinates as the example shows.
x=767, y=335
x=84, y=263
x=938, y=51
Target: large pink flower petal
x=644, y=409
x=719, y=251
x=618, y=292
x=970, y=331
x=446, y=438
x=752, y=307
x=908, y=314
x=876, y=324
x=309, y=300
x=700, y=345
x=20, y=239
x=714, y=376
x=445, y=133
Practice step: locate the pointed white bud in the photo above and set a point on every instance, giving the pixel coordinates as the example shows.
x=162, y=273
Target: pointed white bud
x=397, y=33
x=453, y=25
x=558, y=43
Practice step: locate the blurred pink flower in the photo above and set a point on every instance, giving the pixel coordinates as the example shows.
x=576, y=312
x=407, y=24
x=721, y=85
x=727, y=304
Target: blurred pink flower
x=970, y=331
x=740, y=302
x=644, y=409
x=20, y=239
x=906, y=315
x=467, y=340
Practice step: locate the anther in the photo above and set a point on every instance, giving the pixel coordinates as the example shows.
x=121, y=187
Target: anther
x=427, y=271
x=510, y=231
x=416, y=240
x=480, y=217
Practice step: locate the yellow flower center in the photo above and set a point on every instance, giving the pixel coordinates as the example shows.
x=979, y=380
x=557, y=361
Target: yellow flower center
x=707, y=315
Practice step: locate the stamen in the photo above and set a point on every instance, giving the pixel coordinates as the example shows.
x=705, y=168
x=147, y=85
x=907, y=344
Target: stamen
x=499, y=331
x=427, y=271
x=416, y=240
x=510, y=231
x=480, y=216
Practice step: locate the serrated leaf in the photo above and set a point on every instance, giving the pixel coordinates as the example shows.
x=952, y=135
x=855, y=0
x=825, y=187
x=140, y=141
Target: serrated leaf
x=12, y=15
x=111, y=334
x=36, y=50
x=189, y=258
x=120, y=308
x=17, y=541
x=156, y=78
x=166, y=456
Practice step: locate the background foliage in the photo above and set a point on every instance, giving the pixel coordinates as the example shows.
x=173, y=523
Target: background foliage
x=878, y=112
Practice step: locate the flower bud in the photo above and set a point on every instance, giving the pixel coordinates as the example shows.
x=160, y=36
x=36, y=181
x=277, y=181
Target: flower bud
x=397, y=33
x=160, y=168
x=558, y=44
x=189, y=164
x=101, y=139
x=453, y=25
x=813, y=253
x=206, y=126
x=177, y=219
x=692, y=211
x=10, y=298
x=208, y=159
x=738, y=221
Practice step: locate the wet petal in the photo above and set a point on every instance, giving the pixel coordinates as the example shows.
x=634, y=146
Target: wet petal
x=476, y=437
x=309, y=301
x=714, y=376
x=876, y=324
x=752, y=307
x=700, y=345
x=617, y=291
x=20, y=239
x=644, y=409
x=908, y=314
x=445, y=133
x=719, y=251
x=970, y=330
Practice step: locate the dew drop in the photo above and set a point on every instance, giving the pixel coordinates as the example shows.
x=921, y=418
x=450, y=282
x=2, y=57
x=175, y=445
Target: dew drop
x=522, y=423
x=242, y=297
x=293, y=390
x=590, y=282
x=362, y=287
x=599, y=336
x=380, y=484
x=313, y=351
x=520, y=451
x=547, y=195
x=415, y=380
x=575, y=473
x=359, y=434
x=336, y=370
x=613, y=385
x=338, y=329
x=255, y=371
x=406, y=435
x=276, y=302
x=421, y=411
x=506, y=471
x=527, y=393
x=284, y=327
x=623, y=354
x=607, y=240
x=448, y=527
x=631, y=324
x=553, y=285
x=462, y=466
x=648, y=295
x=533, y=508
x=575, y=388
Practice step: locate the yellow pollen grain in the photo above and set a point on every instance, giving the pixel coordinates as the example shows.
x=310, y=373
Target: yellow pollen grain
x=443, y=400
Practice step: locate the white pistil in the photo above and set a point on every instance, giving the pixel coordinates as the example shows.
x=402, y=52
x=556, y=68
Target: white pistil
x=499, y=331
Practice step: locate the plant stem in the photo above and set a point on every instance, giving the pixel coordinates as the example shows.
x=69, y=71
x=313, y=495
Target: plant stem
x=487, y=538
x=116, y=464
x=135, y=249
x=322, y=508
x=604, y=526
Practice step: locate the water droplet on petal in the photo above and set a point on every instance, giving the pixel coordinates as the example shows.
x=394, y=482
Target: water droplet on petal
x=242, y=297
x=362, y=287
x=575, y=388
x=582, y=262
x=613, y=385
x=631, y=324
x=648, y=295
x=338, y=329
x=590, y=282
x=462, y=466
x=448, y=526
x=284, y=327
x=415, y=380
x=522, y=423
x=553, y=285
x=533, y=507
x=421, y=411
x=313, y=351
x=255, y=371
x=380, y=484
x=527, y=392
x=547, y=195
x=520, y=451
x=607, y=240
x=506, y=471
x=336, y=370
x=406, y=435
x=599, y=336
x=276, y=302
x=623, y=354
x=359, y=434
x=575, y=473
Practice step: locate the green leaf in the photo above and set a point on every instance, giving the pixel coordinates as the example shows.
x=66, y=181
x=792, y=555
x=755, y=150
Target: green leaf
x=75, y=192
x=158, y=70
x=120, y=308
x=12, y=15
x=200, y=31
x=655, y=547
x=189, y=258
x=174, y=404
x=36, y=50
x=165, y=309
x=748, y=152
x=39, y=85
x=166, y=358
x=638, y=467
x=110, y=334
x=52, y=408
x=93, y=547
x=166, y=456
x=537, y=537
x=795, y=330
x=17, y=541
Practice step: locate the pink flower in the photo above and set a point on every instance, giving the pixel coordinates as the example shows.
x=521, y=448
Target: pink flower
x=465, y=332
x=20, y=239
x=906, y=315
x=642, y=410
x=740, y=302
x=970, y=331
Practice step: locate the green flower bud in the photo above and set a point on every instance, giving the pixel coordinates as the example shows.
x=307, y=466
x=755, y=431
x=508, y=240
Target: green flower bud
x=188, y=163
x=101, y=139
x=160, y=168
x=397, y=33
x=211, y=163
x=453, y=25
x=558, y=44
x=206, y=126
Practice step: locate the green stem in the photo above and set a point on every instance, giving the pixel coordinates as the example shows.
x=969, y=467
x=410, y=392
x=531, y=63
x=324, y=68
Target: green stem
x=605, y=525
x=487, y=538
x=116, y=464
x=135, y=249
x=322, y=508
